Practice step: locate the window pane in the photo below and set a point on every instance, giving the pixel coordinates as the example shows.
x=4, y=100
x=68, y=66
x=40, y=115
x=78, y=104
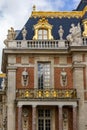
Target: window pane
x=47, y=124
x=45, y=32
x=40, y=32
x=44, y=37
x=39, y=36
x=40, y=124
x=43, y=75
x=44, y=119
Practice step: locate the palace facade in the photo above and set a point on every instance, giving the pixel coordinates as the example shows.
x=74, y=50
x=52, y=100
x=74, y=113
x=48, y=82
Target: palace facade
x=46, y=69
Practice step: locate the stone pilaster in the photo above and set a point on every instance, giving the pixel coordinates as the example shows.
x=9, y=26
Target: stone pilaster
x=60, y=117
x=78, y=83
x=33, y=117
x=19, y=117
x=75, y=118
x=11, y=92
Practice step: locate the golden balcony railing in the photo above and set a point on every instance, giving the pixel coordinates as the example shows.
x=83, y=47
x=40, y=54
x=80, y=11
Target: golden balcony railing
x=46, y=93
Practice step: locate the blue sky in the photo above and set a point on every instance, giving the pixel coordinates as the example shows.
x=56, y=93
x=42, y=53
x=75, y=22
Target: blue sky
x=15, y=13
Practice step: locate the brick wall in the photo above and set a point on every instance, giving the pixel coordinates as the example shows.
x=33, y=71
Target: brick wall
x=19, y=77
x=31, y=60
x=69, y=60
x=57, y=72
x=56, y=60
x=18, y=59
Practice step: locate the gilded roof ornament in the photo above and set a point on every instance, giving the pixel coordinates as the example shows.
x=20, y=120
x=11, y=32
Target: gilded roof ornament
x=43, y=24
x=34, y=8
x=61, y=14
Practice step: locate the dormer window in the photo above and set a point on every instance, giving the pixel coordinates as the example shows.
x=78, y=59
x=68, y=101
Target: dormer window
x=43, y=30
x=42, y=34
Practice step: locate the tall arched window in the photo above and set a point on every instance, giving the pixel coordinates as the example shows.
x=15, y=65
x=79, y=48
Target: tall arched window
x=42, y=34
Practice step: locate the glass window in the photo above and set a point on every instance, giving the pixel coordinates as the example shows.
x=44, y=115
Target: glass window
x=42, y=34
x=44, y=119
x=43, y=75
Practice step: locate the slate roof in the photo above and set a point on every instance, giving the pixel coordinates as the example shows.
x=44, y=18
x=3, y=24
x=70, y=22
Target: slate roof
x=85, y=16
x=56, y=22
x=81, y=5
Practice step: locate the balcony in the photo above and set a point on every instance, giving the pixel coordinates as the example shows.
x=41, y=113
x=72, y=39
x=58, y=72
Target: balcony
x=38, y=44
x=43, y=44
x=46, y=94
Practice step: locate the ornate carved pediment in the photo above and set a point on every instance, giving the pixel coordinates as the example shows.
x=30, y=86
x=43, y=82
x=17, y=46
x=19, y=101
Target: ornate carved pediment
x=43, y=23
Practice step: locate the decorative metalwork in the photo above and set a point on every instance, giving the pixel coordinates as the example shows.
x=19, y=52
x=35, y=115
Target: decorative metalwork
x=72, y=14
x=46, y=93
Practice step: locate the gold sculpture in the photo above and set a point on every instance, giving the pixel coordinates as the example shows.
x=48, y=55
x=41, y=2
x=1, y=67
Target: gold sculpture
x=85, y=28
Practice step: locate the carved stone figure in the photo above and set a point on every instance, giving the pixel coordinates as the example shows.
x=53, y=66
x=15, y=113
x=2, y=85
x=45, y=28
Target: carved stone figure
x=25, y=77
x=61, y=31
x=24, y=33
x=10, y=36
x=63, y=78
x=25, y=119
x=75, y=35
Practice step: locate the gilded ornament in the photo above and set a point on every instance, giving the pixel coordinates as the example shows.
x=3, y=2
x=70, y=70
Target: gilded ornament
x=85, y=28
x=43, y=24
x=26, y=94
x=57, y=14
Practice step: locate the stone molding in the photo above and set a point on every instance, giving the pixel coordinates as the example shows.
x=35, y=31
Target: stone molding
x=52, y=103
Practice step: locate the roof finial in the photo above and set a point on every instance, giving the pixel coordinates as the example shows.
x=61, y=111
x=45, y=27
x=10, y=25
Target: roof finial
x=34, y=8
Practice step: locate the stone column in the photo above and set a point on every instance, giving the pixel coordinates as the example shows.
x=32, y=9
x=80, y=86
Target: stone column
x=33, y=117
x=19, y=117
x=75, y=118
x=11, y=92
x=60, y=118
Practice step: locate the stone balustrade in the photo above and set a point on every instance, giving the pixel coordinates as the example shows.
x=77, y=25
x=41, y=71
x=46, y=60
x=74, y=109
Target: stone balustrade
x=43, y=44
x=38, y=44
x=46, y=93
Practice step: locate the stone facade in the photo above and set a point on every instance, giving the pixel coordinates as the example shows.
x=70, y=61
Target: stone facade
x=46, y=86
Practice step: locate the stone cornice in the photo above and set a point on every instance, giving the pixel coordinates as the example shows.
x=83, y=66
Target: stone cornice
x=13, y=68
x=68, y=102
x=78, y=65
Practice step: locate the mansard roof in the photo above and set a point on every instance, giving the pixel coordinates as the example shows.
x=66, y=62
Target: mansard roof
x=55, y=19
x=81, y=5
x=56, y=22
x=84, y=16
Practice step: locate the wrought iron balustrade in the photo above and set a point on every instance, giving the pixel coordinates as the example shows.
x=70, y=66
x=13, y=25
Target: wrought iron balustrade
x=46, y=93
